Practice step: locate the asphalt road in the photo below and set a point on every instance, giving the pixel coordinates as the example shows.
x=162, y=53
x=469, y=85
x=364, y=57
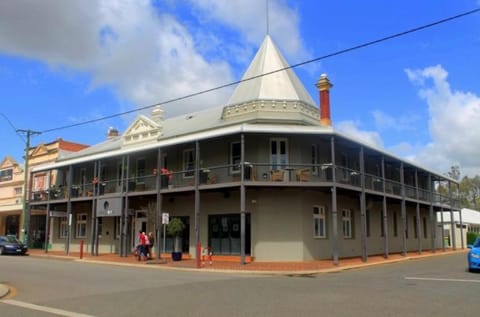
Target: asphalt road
x=435, y=286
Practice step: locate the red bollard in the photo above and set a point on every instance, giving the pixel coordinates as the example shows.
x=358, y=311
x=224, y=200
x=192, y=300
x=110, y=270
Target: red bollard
x=81, y=249
x=199, y=249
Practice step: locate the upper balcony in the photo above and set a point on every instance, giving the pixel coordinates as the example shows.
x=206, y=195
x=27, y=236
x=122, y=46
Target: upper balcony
x=254, y=174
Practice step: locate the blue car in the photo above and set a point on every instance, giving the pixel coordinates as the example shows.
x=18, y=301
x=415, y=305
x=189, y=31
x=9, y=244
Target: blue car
x=11, y=245
x=474, y=256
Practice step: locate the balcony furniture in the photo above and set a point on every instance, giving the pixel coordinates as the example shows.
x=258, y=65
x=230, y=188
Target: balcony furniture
x=204, y=176
x=303, y=175
x=277, y=175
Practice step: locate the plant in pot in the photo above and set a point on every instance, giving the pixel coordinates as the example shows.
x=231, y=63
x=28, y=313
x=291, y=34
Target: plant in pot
x=175, y=228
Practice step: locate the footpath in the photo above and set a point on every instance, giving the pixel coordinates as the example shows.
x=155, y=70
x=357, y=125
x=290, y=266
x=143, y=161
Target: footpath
x=220, y=264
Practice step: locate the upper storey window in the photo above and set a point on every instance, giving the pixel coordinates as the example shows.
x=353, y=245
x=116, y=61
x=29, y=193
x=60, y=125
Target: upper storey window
x=6, y=175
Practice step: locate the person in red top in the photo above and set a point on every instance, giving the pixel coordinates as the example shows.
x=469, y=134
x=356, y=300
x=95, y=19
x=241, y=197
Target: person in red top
x=142, y=242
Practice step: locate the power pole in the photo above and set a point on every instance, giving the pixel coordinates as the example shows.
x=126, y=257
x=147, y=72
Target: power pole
x=24, y=230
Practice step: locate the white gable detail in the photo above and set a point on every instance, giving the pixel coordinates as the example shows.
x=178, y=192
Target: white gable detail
x=142, y=130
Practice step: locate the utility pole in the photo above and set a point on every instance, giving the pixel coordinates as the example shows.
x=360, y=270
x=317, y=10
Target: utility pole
x=23, y=223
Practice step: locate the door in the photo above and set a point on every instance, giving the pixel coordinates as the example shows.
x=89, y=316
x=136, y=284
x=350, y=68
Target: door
x=224, y=234
x=140, y=223
x=278, y=154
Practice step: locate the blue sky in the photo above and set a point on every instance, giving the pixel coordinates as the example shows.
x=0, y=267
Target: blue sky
x=416, y=96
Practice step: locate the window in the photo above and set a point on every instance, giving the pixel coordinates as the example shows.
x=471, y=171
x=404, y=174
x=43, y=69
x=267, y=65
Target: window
x=118, y=227
x=188, y=162
x=395, y=227
x=39, y=182
x=415, y=227
x=319, y=222
x=278, y=151
x=140, y=169
x=100, y=226
x=81, y=229
x=314, y=154
x=367, y=222
x=235, y=157
x=406, y=226
x=425, y=228
x=382, y=228
x=18, y=190
x=83, y=177
x=6, y=175
x=63, y=230
x=347, y=223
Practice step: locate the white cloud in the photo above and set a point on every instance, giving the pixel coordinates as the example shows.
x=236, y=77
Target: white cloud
x=351, y=129
x=145, y=55
x=453, y=124
x=249, y=18
x=385, y=121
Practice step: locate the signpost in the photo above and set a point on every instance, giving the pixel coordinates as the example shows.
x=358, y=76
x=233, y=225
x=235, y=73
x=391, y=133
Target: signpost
x=165, y=220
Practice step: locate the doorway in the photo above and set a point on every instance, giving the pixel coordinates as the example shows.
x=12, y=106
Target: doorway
x=224, y=234
x=140, y=223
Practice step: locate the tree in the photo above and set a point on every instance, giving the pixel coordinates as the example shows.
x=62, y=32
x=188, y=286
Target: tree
x=470, y=191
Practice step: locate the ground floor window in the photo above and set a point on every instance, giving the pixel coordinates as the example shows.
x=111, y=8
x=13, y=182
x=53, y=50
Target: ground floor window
x=81, y=226
x=12, y=224
x=425, y=228
x=224, y=234
x=347, y=223
x=63, y=230
x=319, y=222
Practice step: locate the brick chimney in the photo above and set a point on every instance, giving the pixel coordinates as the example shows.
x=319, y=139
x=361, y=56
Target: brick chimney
x=111, y=133
x=324, y=85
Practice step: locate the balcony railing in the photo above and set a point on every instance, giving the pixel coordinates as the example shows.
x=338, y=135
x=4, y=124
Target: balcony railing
x=254, y=173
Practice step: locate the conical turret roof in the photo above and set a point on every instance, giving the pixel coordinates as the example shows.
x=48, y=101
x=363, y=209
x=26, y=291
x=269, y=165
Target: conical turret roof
x=282, y=85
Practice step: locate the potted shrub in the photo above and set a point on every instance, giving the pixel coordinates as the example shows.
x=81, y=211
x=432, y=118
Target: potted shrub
x=175, y=228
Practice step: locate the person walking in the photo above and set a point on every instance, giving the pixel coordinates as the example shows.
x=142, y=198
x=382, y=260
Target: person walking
x=151, y=243
x=142, y=243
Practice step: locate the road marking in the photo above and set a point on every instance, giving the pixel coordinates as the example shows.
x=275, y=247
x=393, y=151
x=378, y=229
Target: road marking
x=441, y=279
x=51, y=310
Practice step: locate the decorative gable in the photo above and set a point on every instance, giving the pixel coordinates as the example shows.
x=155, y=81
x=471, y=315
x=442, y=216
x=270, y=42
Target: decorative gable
x=41, y=149
x=142, y=130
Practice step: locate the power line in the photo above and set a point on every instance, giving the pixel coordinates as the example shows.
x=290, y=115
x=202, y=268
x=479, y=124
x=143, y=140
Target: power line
x=353, y=48
x=13, y=127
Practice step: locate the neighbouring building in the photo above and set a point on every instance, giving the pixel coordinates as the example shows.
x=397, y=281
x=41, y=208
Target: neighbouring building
x=465, y=220
x=11, y=196
x=265, y=177
x=12, y=176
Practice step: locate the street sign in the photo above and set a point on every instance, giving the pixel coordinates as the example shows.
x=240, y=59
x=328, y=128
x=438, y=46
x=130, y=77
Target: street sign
x=165, y=218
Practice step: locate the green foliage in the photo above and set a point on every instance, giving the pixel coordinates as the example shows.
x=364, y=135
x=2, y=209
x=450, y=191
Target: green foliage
x=175, y=227
x=471, y=236
x=469, y=189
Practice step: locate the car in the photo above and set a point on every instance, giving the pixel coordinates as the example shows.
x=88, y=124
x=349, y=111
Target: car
x=11, y=245
x=474, y=255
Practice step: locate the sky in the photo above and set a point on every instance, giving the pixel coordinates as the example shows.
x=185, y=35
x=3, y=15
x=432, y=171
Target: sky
x=416, y=96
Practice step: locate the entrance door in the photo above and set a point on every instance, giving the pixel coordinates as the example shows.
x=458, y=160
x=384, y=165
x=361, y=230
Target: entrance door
x=224, y=234
x=140, y=223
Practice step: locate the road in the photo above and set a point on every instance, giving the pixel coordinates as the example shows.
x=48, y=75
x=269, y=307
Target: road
x=435, y=286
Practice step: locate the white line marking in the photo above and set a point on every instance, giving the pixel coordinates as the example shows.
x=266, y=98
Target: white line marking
x=441, y=279
x=51, y=310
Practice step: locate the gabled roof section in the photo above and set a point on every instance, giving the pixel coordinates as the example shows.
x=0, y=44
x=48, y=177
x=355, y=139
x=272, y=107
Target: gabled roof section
x=143, y=129
x=9, y=162
x=40, y=149
x=282, y=85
